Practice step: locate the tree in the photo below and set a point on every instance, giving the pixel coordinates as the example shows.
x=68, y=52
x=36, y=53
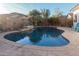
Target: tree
x=45, y=14
x=36, y=16
x=58, y=12
x=34, y=12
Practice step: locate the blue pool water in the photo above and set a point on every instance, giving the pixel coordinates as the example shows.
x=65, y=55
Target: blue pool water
x=40, y=36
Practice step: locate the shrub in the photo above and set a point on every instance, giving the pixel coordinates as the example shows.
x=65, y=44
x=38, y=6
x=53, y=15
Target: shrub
x=69, y=23
x=10, y=24
x=54, y=21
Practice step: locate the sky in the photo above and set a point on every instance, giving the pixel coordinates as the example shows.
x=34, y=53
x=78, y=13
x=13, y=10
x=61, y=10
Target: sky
x=26, y=7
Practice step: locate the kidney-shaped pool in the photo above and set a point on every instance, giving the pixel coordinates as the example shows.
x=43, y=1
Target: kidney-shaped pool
x=40, y=36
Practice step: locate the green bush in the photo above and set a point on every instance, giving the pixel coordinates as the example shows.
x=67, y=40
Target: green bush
x=54, y=20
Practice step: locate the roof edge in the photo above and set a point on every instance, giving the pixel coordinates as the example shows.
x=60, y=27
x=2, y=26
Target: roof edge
x=74, y=7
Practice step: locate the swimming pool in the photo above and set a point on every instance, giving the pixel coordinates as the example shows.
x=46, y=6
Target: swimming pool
x=40, y=36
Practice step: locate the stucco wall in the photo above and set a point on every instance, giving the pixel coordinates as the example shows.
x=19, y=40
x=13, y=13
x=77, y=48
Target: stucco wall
x=76, y=15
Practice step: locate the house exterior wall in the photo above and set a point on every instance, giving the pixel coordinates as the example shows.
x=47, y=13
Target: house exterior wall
x=75, y=17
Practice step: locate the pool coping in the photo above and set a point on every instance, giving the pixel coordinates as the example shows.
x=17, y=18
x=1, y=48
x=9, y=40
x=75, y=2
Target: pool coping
x=15, y=49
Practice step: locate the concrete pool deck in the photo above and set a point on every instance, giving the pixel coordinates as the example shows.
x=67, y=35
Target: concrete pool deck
x=9, y=48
